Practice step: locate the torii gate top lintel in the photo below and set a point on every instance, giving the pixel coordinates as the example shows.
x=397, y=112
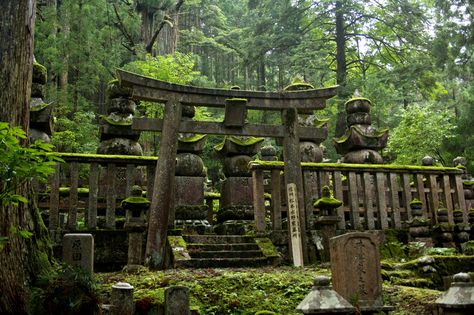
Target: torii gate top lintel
x=146, y=88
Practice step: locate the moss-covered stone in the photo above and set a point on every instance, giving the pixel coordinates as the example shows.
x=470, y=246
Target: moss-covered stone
x=192, y=139
x=243, y=142
x=40, y=73
x=266, y=246
x=124, y=122
x=298, y=86
x=135, y=200
x=416, y=202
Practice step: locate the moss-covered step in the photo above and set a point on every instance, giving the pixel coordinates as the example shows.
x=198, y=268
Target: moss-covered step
x=211, y=251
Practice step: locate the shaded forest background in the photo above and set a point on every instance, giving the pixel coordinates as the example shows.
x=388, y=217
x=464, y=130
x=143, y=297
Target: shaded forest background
x=412, y=58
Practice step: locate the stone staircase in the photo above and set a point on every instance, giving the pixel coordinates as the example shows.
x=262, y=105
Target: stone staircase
x=222, y=251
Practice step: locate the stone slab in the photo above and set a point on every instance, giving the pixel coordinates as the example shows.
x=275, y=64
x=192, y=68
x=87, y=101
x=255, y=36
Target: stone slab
x=355, y=266
x=78, y=250
x=236, y=191
x=189, y=190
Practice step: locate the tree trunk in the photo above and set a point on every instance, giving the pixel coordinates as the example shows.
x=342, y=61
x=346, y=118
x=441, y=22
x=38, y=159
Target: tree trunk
x=341, y=70
x=21, y=259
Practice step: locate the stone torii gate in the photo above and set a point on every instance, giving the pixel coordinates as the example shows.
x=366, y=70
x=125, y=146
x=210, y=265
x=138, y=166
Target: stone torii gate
x=174, y=96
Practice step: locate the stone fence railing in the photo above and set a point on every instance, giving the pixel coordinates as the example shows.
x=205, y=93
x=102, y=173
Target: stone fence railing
x=374, y=196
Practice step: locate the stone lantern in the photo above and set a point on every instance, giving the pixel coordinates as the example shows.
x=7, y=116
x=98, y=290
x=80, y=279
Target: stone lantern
x=327, y=221
x=135, y=208
x=459, y=299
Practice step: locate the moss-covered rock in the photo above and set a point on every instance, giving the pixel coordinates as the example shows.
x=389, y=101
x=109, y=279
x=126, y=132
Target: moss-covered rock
x=40, y=73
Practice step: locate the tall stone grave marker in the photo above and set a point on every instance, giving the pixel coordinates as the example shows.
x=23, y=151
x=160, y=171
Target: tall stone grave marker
x=78, y=250
x=355, y=266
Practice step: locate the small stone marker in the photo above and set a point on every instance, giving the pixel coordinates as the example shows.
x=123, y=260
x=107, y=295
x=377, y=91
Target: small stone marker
x=355, y=266
x=122, y=299
x=294, y=218
x=78, y=250
x=177, y=300
x=324, y=300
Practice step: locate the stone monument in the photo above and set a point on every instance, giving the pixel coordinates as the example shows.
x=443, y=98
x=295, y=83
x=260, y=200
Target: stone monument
x=78, y=250
x=190, y=212
x=356, y=272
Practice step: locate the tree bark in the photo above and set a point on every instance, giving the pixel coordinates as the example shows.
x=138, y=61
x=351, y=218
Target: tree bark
x=21, y=259
x=341, y=70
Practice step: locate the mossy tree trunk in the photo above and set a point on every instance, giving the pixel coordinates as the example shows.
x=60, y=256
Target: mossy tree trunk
x=21, y=259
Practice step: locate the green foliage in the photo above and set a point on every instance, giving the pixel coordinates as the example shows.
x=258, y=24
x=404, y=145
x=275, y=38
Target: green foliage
x=78, y=134
x=68, y=291
x=21, y=164
x=422, y=131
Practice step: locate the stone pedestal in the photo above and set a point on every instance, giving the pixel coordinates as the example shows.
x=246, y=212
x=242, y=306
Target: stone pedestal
x=122, y=299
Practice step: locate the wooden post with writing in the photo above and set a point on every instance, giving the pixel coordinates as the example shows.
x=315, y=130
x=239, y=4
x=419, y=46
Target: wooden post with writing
x=294, y=181
x=294, y=225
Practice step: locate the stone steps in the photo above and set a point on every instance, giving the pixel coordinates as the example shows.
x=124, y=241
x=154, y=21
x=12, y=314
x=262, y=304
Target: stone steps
x=219, y=251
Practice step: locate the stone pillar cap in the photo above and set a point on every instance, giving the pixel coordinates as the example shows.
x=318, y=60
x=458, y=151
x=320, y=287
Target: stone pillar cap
x=323, y=299
x=122, y=286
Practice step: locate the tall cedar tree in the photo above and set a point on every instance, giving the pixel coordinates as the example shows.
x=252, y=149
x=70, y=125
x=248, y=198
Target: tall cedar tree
x=21, y=258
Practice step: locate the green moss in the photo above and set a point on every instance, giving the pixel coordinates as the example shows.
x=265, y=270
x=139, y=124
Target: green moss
x=178, y=247
x=357, y=99
x=192, y=139
x=236, y=99
x=376, y=134
x=106, y=156
x=243, y=143
x=208, y=194
x=468, y=183
x=380, y=167
x=113, y=82
x=39, y=107
x=416, y=202
x=320, y=123
x=298, y=86
x=266, y=246
x=135, y=200
x=40, y=71
x=327, y=202
x=112, y=122
x=64, y=191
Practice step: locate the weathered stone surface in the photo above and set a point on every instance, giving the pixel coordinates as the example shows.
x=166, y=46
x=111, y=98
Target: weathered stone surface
x=122, y=299
x=355, y=266
x=120, y=146
x=189, y=190
x=269, y=153
x=78, y=250
x=121, y=105
x=324, y=300
x=189, y=164
x=236, y=191
x=190, y=212
x=459, y=299
x=358, y=105
x=235, y=213
x=177, y=300
x=35, y=134
x=358, y=119
x=235, y=112
x=363, y=157
x=310, y=152
x=237, y=165
x=188, y=111
x=37, y=90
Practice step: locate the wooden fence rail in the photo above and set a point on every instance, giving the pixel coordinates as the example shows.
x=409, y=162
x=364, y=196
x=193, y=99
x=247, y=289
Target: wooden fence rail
x=374, y=196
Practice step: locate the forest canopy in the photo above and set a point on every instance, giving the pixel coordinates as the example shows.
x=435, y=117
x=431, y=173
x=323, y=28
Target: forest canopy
x=411, y=58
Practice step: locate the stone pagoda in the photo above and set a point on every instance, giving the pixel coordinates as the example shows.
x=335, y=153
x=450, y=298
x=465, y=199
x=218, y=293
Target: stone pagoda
x=40, y=112
x=362, y=142
x=236, y=203
x=116, y=134
x=190, y=212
